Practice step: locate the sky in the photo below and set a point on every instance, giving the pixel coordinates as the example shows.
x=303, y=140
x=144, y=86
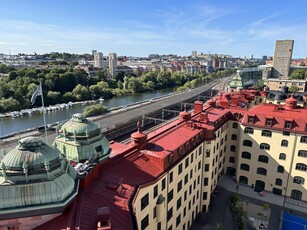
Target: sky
x=139, y=28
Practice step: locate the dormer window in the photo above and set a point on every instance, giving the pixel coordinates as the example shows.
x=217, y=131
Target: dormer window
x=250, y=119
x=170, y=159
x=268, y=122
x=288, y=125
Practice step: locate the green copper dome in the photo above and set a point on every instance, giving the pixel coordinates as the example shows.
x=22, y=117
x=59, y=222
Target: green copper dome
x=80, y=140
x=31, y=151
x=78, y=125
x=35, y=176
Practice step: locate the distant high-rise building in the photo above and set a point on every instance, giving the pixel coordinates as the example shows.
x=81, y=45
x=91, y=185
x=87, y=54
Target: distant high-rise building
x=98, y=60
x=194, y=53
x=93, y=52
x=112, y=63
x=252, y=56
x=282, y=58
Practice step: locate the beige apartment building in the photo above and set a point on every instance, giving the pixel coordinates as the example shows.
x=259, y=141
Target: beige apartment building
x=277, y=84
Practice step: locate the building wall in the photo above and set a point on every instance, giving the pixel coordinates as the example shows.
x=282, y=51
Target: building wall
x=278, y=84
x=185, y=202
x=282, y=58
x=201, y=170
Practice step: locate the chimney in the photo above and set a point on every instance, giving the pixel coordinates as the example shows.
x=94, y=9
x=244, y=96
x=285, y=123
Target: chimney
x=198, y=106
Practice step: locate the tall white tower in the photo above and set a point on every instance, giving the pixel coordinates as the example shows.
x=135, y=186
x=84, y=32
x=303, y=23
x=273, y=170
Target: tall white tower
x=98, y=60
x=112, y=63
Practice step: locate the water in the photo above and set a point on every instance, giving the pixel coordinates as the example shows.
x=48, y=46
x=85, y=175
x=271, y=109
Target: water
x=9, y=125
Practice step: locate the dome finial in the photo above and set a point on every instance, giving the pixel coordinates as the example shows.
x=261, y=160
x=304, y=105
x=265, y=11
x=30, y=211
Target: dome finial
x=185, y=107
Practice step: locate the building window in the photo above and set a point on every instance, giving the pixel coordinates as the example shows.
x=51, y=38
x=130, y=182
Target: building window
x=263, y=159
x=235, y=125
x=278, y=181
x=171, y=177
x=261, y=171
x=145, y=222
x=180, y=151
x=200, y=150
x=302, y=153
x=288, y=125
x=170, y=196
x=144, y=201
x=155, y=212
x=207, y=152
x=266, y=133
x=186, y=162
x=205, y=195
x=265, y=146
x=234, y=137
x=304, y=139
x=280, y=169
x=170, y=159
x=296, y=195
x=155, y=193
x=163, y=184
x=244, y=167
x=250, y=119
x=180, y=169
x=268, y=122
x=159, y=227
x=206, y=181
x=179, y=186
x=246, y=155
x=249, y=130
x=199, y=165
x=231, y=160
x=178, y=203
x=169, y=214
x=232, y=148
x=301, y=167
x=207, y=167
x=298, y=180
x=186, y=178
x=284, y=143
x=286, y=133
x=248, y=143
x=282, y=156
x=178, y=219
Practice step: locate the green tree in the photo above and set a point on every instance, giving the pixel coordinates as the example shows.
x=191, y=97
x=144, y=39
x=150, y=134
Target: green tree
x=53, y=97
x=81, y=92
x=299, y=74
x=9, y=104
x=93, y=110
x=293, y=89
x=68, y=97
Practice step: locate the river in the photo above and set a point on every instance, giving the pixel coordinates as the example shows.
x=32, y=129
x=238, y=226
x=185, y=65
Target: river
x=10, y=125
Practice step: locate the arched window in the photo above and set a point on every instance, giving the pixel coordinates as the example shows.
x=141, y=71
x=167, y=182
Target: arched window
x=278, y=181
x=234, y=137
x=248, y=143
x=304, y=139
x=187, y=147
x=280, y=169
x=266, y=133
x=298, y=180
x=233, y=148
x=284, y=143
x=282, y=156
x=265, y=146
x=231, y=160
x=296, y=194
x=249, y=130
x=246, y=155
x=244, y=167
x=180, y=151
x=263, y=159
x=301, y=167
x=302, y=153
x=261, y=171
x=234, y=125
x=243, y=180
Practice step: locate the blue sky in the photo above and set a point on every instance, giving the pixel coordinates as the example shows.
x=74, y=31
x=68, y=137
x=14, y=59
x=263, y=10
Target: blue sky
x=139, y=28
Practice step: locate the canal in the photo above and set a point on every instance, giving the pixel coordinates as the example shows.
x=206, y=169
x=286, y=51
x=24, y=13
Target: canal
x=10, y=125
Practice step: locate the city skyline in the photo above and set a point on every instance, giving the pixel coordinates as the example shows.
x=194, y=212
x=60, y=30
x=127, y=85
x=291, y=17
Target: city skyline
x=134, y=29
